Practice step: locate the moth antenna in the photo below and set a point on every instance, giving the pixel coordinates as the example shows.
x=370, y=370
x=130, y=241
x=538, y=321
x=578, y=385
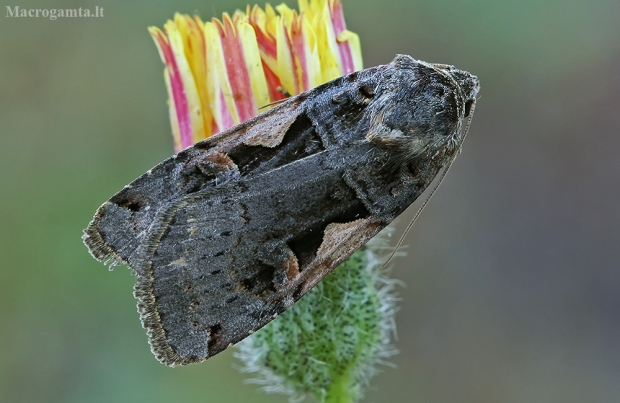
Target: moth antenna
x=272, y=103
x=466, y=129
x=282, y=91
x=415, y=217
x=443, y=175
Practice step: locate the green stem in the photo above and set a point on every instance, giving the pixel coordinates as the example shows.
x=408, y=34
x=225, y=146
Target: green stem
x=341, y=390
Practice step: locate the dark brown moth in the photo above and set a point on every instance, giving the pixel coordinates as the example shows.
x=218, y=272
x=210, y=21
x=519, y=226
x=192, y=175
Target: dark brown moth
x=229, y=233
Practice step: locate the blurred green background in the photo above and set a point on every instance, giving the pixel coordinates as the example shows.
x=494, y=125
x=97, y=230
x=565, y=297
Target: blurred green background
x=513, y=287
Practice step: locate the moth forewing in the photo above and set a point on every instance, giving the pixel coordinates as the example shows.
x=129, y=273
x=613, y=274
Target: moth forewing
x=227, y=234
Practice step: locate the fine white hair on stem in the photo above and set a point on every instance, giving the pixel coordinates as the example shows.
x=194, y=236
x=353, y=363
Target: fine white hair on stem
x=345, y=325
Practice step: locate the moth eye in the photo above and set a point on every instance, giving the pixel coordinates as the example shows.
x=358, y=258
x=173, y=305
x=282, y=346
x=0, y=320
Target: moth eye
x=468, y=106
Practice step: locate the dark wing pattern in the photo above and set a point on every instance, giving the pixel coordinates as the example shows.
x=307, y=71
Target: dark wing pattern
x=229, y=233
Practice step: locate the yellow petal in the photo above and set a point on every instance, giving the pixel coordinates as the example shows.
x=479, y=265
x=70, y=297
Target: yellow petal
x=285, y=69
x=253, y=64
x=189, y=84
x=220, y=93
x=312, y=62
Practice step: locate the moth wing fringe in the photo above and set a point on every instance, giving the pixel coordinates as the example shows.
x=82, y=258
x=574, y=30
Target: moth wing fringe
x=98, y=248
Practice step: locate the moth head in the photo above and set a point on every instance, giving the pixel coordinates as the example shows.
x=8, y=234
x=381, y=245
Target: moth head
x=421, y=110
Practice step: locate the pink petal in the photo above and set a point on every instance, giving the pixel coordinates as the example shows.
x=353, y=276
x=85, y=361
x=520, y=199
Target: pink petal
x=178, y=94
x=339, y=25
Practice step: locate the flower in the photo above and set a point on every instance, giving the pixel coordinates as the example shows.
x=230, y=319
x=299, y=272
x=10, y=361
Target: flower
x=213, y=75
x=220, y=73
x=301, y=51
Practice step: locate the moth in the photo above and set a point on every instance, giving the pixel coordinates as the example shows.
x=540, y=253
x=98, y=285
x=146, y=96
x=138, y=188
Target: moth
x=227, y=234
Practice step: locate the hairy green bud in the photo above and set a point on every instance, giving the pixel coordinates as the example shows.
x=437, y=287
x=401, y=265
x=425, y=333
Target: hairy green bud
x=328, y=344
